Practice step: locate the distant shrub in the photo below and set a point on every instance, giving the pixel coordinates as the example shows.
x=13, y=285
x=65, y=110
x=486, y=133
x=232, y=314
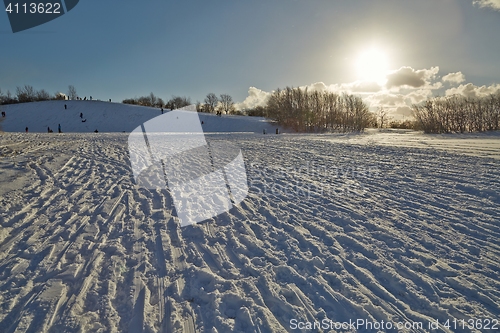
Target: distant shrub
x=458, y=114
x=405, y=124
x=150, y=100
x=258, y=111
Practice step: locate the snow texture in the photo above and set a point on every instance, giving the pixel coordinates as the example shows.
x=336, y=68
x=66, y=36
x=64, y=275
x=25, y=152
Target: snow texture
x=383, y=226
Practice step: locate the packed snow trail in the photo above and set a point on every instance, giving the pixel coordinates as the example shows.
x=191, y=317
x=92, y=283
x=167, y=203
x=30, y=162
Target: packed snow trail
x=329, y=230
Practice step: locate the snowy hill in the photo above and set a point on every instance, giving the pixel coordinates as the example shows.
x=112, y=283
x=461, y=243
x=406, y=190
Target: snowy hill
x=109, y=117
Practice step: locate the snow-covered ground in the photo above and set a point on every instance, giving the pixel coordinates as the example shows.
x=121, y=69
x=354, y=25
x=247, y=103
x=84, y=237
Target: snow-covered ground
x=475, y=144
x=378, y=227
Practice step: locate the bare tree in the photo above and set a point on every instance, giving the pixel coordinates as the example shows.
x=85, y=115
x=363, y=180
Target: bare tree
x=25, y=94
x=42, y=95
x=159, y=102
x=72, y=95
x=211, y=102
x=382, y=117
x=199, y=106
x=177, y=102
x=152, y=99
x=226, y=104
x=144, y=101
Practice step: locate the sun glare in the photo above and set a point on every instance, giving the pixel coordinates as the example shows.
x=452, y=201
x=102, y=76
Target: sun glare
x=372, y=65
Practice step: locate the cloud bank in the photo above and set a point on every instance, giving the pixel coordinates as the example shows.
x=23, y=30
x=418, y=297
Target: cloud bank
x=256, y=97
x=470, y=90
x=456, y=78
x=493, y=4
x=409, y=77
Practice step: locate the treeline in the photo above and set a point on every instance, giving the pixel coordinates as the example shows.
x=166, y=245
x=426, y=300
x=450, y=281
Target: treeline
x=176, y=102
x=222, y=104
x=213, y=104
x=458, y=114
x=314, y=111
x=28, y=94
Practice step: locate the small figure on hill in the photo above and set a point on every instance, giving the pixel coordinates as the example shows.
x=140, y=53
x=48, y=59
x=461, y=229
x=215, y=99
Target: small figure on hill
x=90, y=97
x=264, y=131
x=65, y=107
x=277, y=131
x=3, y=114
x=110, y=100
x=48, y=129
x=96, y=131
x=58, y=128
x=161, y=110
x=81, y=115
x=26, y=129
x=202, y=122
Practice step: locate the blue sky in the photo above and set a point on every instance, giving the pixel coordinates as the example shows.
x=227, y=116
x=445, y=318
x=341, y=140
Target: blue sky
x=119, y=49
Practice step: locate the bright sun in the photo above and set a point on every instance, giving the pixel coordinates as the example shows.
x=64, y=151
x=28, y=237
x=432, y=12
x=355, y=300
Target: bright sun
x=372, y=65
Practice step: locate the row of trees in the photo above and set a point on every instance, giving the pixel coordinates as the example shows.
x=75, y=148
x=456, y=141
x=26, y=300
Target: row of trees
x=176, y=102
x=213, y=104
x=28, y=94
x=314, y=111
x=458, y=114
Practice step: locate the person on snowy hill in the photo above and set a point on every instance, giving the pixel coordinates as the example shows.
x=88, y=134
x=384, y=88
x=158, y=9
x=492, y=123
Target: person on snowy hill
x=26, y=129
x=81, y=115
x=59, y=128
x=65, y=107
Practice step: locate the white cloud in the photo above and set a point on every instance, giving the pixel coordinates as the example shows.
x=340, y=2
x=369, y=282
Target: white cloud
x=404, y=111
x=360, y=87
x=256, y=97
x=494, y=4
x=454, y=78
x=418, y=96
x=471, y=90
x=408, y=77
x=385, y=100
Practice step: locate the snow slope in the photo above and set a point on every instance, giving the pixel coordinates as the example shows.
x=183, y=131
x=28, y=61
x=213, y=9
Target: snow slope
x=331, y=229
x=108, y=117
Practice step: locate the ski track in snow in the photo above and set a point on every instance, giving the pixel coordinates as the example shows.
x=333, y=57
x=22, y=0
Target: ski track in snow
x=82, y=249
